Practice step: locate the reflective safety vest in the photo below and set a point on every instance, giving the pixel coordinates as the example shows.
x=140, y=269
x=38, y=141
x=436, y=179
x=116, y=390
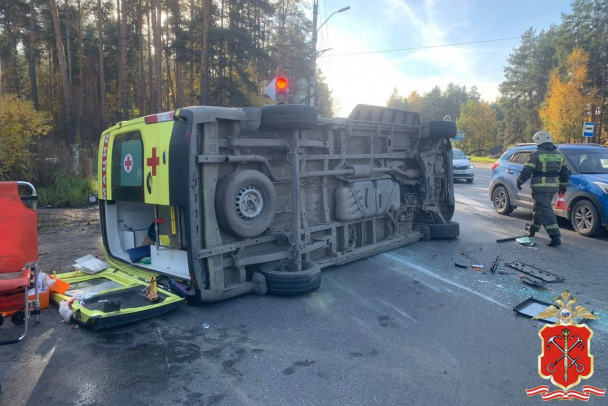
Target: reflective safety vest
x=547, y=167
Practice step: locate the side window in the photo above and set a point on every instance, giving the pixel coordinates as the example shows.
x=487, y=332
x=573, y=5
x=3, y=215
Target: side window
x=520, y=157
x=127, y=167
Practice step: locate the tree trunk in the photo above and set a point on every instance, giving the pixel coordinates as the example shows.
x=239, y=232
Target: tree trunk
x=151, y=88
x=141, y=91
x=156, y=24
x=69, y=136
x=32, y=55
x=121, y=22
x=191, y=52
x=102, y=81
x=121, y=63
x=178, y=64
x=80, y=97
x=205, y=54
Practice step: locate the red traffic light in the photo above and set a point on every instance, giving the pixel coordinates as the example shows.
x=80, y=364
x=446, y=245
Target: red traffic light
x=281, y=83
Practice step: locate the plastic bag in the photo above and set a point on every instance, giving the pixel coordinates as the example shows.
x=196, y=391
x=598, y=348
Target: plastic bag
x=65, y=310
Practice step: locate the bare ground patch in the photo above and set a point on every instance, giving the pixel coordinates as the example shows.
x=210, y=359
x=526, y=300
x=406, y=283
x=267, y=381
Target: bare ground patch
x=65, y=235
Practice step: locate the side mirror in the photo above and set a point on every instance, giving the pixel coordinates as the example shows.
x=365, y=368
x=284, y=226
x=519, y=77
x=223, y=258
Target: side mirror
x=469, y=158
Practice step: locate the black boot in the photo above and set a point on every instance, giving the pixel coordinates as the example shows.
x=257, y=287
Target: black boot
x=531, y=232
x=555, y=241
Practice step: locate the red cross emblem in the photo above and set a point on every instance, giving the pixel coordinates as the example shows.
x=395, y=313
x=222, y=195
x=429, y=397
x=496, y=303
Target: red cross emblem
x=128, y=163
x=153, y=161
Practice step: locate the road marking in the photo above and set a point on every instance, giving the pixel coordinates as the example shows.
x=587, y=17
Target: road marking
x=401, y=312
x=473, y=203
x=432, y=274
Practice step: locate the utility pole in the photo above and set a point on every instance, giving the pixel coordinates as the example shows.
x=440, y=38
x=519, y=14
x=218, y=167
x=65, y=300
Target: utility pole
x=312, y=88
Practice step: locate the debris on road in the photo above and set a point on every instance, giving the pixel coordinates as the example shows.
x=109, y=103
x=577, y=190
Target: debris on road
x=477, y=267
x=535, y=272
x=495, y=264
x=511, y=238
x=458, y=265
x=526, y=241
x=532, y=307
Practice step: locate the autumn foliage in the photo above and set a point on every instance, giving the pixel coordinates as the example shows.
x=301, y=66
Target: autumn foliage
x=568, y=99
x=20, y=123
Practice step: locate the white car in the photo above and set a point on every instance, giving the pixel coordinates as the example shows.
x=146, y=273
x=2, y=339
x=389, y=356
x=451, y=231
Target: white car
x=461, y=166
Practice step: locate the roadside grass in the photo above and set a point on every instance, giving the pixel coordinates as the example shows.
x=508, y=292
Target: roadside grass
x=483, y=159
x=67, y=191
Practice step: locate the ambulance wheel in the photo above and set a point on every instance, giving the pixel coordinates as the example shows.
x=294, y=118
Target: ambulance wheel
x=446, y=129
x=245, y=203
x=1, y=319
x=282, y=280
x=18, y=318
x=285, y=116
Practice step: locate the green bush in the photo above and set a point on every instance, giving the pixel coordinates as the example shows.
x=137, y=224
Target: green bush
x=67, y=191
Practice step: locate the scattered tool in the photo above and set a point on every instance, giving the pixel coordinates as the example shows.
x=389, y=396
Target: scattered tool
x=477, y=267
x=456, y=264
x=511, y=238
x=495, y=264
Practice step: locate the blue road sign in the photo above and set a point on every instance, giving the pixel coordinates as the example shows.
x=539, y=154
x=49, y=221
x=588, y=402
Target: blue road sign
x=588, y=129
x=459, y=136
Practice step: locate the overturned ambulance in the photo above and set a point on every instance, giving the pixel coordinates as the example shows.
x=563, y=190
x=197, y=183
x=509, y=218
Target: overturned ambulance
x=219, y=202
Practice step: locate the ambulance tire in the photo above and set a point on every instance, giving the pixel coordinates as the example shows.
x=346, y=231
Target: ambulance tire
x=1, y=319
x=286, y=116
x=283, y=282
x=245, y=203
x=445, y=129
x=440, y=231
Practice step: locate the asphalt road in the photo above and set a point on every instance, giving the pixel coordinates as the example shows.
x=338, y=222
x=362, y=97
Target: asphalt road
x=401, y=328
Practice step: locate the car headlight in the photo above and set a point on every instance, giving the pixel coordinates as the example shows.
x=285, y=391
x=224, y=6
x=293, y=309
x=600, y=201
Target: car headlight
x=603, y=186
x=471, y=167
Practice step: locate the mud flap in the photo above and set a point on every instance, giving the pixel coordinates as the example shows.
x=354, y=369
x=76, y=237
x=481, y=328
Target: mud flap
x=112, y=298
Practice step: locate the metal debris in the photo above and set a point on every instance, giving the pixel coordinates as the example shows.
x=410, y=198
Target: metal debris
x=532, y=307
x=535, y=272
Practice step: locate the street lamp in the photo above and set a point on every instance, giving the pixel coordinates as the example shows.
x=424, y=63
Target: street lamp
x=315, y=30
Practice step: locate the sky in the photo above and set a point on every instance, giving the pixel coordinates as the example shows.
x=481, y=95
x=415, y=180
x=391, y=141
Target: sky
x=358, y=72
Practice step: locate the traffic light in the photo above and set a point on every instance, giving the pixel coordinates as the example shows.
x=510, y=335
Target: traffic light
x=281, y=87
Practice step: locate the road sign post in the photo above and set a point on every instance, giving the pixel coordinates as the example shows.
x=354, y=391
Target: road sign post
x=588, y=129
x=459, y=136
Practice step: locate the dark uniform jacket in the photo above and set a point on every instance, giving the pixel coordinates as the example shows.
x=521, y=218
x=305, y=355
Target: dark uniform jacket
x=548, y=169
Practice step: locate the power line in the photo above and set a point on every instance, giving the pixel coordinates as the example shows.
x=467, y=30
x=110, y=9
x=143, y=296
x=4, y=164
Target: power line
x=423, y=47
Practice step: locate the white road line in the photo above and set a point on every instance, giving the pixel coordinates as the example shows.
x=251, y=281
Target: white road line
x=401, y=312
x=473, y=203
x=432, y=274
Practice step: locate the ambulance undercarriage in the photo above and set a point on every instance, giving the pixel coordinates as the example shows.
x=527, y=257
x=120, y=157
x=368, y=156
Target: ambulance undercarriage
x=225, y=201
x=336, y=191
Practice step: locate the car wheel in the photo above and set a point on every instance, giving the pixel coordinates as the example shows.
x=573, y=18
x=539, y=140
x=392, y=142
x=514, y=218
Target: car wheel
x=286, y=116
x=585, y=218
x=282, y=280
x=245, y=203
x=470, y=180
x=502, y=201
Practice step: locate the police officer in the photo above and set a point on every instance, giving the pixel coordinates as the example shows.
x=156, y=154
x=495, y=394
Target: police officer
x=549, y=172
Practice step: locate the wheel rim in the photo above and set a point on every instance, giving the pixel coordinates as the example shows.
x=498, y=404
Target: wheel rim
x=249, y=203
x=583, y=218
x=500, y=199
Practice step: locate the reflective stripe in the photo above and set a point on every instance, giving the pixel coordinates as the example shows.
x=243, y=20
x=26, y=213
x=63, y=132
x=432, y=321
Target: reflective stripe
x=530, y=164
x=551, y=227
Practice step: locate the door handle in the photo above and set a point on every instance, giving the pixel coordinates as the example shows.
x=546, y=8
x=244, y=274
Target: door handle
x=509, y=171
